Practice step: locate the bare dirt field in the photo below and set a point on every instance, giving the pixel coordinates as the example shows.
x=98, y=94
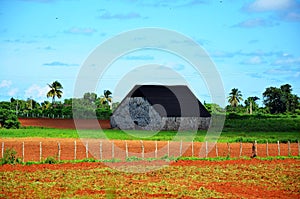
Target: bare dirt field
x=183, y=179
x=63, y=123
x=36, y=148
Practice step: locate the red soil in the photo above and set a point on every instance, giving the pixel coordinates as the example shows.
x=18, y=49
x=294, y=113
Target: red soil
x=235, y=189
x=64, y=123
x=118, y=150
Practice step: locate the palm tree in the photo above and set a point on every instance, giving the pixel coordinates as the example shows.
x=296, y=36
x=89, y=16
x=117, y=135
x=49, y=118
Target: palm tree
x=251, y=103
x=45, y=105
x=55, y=90
x=106, y=98
x=235, y=96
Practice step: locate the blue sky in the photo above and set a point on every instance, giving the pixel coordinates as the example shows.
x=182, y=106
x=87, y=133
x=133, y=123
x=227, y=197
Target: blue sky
x=254, y=44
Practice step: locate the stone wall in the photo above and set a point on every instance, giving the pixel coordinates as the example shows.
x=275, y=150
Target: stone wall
x=138, y=114
x=185, y=123
x=135, y=113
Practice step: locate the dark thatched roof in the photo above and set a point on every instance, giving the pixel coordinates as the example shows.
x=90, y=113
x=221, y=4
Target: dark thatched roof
x=171, y=101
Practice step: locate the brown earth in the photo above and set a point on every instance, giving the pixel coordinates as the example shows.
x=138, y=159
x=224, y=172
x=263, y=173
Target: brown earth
x=47, y=147
x=228, y=188
x=64, y=123
x=67, y=146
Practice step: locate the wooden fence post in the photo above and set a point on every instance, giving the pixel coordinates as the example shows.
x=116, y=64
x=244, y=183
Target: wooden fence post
x=278, y=148
x=241, y=149
x=192, y=148
x=75, y=150
x=180, y=148
x=256, y=152
x=254, y=149
x=298, y=148
x=58, y=154
x=168, y=148
x=2, y=149
x=155, y=152
x=206, y=149
x=228, y=148
x=87, y=150
x=217, y=153
x=23, y=151
x=112, y=150
x=289, y=148
x=143, y=149
x=126, y=149
x=100, y=150
x=41, y=151
x=267, y=148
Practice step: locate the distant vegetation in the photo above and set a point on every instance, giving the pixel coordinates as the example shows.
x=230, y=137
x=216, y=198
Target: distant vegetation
x=89, y=106
x=278, y=102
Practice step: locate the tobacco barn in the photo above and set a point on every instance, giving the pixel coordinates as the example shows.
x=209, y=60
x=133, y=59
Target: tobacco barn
x=160, y=107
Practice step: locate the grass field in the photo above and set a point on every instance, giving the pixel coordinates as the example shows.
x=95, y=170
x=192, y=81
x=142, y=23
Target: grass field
x=245, y=129
x=260, y=137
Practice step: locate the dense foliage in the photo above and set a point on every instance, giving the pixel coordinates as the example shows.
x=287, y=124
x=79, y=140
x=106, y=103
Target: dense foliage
x=281, y=100
x=8, y=118
x=90, y=106
x=276, y=101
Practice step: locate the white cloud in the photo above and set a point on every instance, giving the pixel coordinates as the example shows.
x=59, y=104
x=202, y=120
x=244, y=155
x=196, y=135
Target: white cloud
x=286, y=10
x=253, y=61
x=223, y=54
x=13, y=92
x=58, y=63
x=252, y=23
x=5, y=83
x=270, y=5
x=292, y=16
x=289, y=61
x=36, y=92
x=81, y=31
x=130, y=15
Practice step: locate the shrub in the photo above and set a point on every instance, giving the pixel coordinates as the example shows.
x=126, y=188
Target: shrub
x=9, y=157
x=8, y=119
x=132, y=159
x=103, y=113
x=50, y=160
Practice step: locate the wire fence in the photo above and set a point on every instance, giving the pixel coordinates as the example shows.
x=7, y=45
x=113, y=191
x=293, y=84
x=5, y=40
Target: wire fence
x=35, y=150
x=40, y=115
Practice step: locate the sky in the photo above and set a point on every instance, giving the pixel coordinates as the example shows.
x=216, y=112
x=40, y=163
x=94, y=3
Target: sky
x=254, y=44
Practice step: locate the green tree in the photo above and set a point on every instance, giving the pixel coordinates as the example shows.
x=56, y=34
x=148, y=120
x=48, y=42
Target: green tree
x=55, y=90
x=8, y=118
x=46, y=105
x=115, y=106
x=213, y=108
x=91, y=97
x=234, y=98
x=250, y=103
x=106, y=98
x=280, y=100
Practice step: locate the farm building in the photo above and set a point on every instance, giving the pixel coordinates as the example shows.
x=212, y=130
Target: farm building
x=156, y=107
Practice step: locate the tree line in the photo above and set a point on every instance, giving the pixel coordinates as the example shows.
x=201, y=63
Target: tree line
x=276, y=101
x=90, y=105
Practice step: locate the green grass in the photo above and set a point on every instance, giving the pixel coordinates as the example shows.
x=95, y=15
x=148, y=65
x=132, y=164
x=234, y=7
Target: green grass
x=244, y=128
x=52, y=160
x=260, y=137
x=263, y=124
